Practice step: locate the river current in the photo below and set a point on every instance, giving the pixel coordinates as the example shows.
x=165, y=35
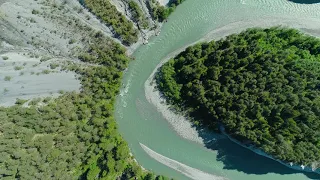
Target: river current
x=140, y=122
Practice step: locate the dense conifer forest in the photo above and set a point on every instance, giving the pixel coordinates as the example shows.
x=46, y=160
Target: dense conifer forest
x=262, y=86
x=74, y=136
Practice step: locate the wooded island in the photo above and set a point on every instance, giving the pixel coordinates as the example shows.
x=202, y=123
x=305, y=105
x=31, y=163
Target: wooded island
x=261, y=85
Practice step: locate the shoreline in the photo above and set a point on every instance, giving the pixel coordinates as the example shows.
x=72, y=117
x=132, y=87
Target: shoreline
x=180, y=123
x=142, y=38
x=262, y=153
x=184, y=169
x=177, y=121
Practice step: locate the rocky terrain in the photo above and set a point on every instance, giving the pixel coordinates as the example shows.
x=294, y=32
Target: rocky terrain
x=40, y=37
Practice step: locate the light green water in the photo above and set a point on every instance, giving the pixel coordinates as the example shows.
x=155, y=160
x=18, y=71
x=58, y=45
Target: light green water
x=140, y=122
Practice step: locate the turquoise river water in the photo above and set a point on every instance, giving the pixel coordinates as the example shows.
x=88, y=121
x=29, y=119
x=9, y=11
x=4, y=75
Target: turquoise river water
x=140, y=122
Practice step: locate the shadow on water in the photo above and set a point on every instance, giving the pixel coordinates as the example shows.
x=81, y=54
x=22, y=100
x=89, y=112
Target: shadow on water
x=235, y=157
x=305, y=1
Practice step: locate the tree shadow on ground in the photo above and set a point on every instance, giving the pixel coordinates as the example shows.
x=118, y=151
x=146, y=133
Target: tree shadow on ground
x=236, y=157
x=305, y=1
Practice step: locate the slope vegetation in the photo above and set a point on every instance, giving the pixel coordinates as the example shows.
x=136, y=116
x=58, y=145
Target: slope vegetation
x=73, y=136
x=108, y=13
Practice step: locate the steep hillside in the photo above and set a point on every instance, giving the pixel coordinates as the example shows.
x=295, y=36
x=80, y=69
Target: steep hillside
x=56, y=48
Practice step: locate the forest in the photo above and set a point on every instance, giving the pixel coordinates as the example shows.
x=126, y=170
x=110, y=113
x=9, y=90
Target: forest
x=262, y=86
x=74, y=136
x=108, y=13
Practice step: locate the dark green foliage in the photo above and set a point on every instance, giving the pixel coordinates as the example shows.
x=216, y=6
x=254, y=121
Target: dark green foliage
x=262, y=85
x=122, y=27
x=74, y=136
x=161, y=13
x=138, y=15
x=20, y=101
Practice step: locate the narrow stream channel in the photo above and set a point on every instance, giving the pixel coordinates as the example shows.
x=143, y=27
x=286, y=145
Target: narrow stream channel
x=140, y=122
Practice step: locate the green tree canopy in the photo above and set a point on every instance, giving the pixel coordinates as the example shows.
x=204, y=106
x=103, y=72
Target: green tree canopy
x=262, y=85
x=74, y=136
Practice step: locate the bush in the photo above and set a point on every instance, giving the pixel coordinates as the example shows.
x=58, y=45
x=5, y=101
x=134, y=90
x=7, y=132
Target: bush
x=35, y=11
x=7, y=78
x=72, y=41
x=20, y=101
x=17, y=68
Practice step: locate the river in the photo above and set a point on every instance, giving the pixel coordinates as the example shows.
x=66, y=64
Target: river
x=140, y=122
